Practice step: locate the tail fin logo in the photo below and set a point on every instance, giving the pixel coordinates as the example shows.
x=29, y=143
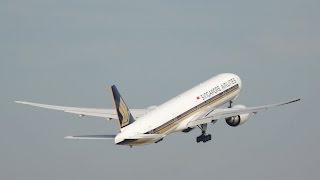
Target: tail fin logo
x=124, y=113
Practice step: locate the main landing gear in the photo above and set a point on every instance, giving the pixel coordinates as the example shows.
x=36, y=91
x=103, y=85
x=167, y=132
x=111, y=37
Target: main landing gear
x=203, y=137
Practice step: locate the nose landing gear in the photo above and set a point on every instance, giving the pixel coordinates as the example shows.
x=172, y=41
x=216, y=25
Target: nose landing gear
x=230, y=104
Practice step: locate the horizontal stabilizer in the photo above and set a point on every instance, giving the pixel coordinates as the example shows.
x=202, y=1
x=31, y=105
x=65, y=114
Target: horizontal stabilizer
x=91, y=137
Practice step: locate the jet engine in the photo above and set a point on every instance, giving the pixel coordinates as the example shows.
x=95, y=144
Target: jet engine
x=235, y=121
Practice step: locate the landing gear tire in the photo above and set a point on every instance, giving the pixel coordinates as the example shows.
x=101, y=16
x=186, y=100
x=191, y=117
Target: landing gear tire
x=198, y=139
x=204, y=138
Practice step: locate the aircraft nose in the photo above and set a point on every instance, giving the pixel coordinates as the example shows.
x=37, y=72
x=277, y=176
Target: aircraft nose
x=239, y=82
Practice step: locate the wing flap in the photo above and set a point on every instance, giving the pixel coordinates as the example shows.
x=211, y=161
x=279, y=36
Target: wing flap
x=103, y=115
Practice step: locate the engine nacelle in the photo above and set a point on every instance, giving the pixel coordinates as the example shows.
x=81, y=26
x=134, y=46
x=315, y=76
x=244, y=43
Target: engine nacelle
x=238, y=120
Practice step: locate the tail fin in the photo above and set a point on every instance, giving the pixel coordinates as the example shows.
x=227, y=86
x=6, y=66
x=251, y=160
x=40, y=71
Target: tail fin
x=124, y=115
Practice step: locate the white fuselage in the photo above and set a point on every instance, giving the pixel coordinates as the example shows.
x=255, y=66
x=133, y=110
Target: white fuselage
x=175, y=114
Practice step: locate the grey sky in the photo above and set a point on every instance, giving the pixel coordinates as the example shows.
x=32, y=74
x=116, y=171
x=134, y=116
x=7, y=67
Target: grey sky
x=70, y=52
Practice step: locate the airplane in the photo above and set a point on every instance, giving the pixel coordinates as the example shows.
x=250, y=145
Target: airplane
x=197, y=107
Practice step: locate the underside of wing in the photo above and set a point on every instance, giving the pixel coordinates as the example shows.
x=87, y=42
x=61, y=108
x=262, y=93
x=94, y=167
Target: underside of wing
x=230, y=112
x=105, y=113
x=88, y=137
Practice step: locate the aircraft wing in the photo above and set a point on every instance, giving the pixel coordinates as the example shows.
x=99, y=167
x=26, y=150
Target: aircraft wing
x=230, y=112
x=105, y=113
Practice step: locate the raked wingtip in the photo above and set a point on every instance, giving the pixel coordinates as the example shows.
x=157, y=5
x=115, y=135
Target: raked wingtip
x=20, y=102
